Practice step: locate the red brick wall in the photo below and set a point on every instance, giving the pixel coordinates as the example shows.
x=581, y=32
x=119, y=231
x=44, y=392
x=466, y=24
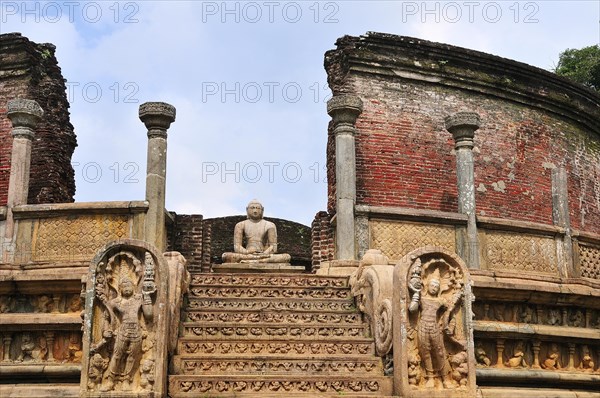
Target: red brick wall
x=322, y=244
x=405, y=155
x=30, y=70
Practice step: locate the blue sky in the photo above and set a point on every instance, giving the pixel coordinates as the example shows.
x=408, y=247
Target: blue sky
x=248, y=83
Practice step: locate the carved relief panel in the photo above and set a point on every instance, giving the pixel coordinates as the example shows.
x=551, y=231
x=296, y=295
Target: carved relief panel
x=125, y=323
x=433, y=332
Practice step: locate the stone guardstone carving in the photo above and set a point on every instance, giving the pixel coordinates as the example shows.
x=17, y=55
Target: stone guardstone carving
x=433, y=332
x=126, y=322
x=255, y=239
x=372, y=289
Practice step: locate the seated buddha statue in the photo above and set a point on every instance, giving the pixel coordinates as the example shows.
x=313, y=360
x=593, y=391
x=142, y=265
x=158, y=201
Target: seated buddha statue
x=255, y=239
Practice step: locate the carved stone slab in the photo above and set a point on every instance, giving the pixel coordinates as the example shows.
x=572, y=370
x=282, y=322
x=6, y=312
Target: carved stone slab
x=126, y=323
x=433, y=331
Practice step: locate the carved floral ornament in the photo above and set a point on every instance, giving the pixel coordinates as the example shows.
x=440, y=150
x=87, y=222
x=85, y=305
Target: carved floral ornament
x=123, y=328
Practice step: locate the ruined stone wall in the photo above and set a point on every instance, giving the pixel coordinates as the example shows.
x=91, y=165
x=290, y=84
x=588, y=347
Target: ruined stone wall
x=30, y=70
x=322, y=244
x=186, y=237
x=532, y=122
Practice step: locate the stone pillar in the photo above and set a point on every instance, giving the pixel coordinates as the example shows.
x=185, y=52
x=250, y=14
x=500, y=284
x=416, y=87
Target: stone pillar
x=344, y=110
x=562, y=218
x=157, y=116
x=24, y=115
x=462, y=126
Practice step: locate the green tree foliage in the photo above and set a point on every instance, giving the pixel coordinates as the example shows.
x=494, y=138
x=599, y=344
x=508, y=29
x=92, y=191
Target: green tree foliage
x=581, y=65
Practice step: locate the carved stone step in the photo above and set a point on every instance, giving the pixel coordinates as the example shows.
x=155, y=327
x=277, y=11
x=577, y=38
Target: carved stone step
x=273, y=292
x=272, y=331
x=227, y=348
x=300, y=365
x=279, y=317
x=258, y=304
x=281, y=280
x=255, y=385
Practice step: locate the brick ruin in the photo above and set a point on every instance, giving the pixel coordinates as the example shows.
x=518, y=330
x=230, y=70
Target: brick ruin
x=459, y=254
x=30, y=70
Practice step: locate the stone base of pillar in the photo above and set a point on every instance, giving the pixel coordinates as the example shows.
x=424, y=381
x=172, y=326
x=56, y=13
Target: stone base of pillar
x=338, y=268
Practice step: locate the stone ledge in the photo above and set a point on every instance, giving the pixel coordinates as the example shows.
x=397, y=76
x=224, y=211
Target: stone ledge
x=33, y=321
x=338, y=268
x=493, y=285
x=39, y=390
x=586, y=237
x=257, y=268
x=531, y=376
x=46, y=369
x=512, y=392
x=83, y=208
x=404, y=213
x=503, y=329
x=46, y=281
x=518, y=226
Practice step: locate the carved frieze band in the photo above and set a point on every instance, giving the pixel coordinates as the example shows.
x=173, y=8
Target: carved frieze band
x=258, y=304
x=274, y=366
x=40, y=347
x=262, y=347
x=251, y=292
x=300, y=331
x=283, y=385
x=268, y=281
x=395, y=239
x=41, y=304
x=537, y=354
x=537, y=314
x=273, y=317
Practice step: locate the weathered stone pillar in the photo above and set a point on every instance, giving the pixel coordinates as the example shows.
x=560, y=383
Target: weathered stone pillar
x=344, y=110
x=562, y=218
x=462, y=126
x=24, y=115
x=157, y=116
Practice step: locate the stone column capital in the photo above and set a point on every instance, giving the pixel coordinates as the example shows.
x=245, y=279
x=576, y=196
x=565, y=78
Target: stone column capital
x=344, y=108
x=24, y=115
x=462, y=126
x=157, y=116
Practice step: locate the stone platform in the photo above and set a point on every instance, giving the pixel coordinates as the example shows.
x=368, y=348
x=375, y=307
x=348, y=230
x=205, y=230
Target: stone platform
x=257, y=267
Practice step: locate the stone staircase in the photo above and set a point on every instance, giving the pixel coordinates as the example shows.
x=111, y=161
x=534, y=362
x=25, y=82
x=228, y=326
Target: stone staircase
x=274, y=335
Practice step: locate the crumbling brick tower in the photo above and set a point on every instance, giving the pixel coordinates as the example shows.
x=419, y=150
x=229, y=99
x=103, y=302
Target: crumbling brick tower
x=30, y=70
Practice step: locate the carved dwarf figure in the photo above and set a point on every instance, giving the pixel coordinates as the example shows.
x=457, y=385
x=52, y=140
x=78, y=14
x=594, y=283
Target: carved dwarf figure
x=552, y=359
x=27, y=347
x=481, y=357
x=460, y=368
x=587, y=362
x=414, y=370
x=147, y=374
x=577, y=319
x=260, y=237
x=128, y=343
x=554, y=317
x=518, y=358
x=96, y=369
